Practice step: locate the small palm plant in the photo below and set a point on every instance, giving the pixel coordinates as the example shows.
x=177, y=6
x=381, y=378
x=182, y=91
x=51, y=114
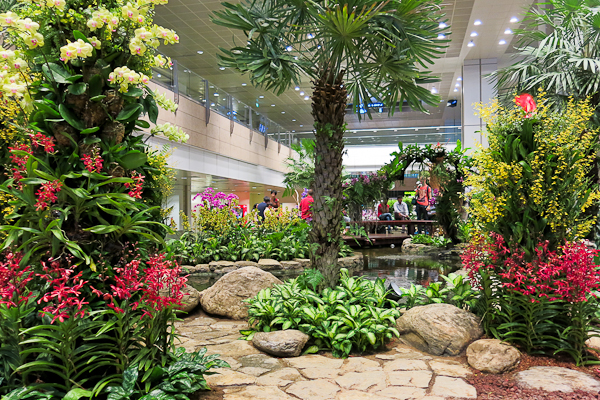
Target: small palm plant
x=367, y=50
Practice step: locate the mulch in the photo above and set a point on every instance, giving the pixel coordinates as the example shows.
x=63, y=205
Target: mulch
x=503, y=387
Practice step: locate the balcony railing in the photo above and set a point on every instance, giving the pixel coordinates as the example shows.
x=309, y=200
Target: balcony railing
x=183, y=82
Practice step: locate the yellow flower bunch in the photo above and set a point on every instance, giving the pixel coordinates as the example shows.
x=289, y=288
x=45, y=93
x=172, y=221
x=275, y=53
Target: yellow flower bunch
x=278, y=219
x=536, y=168
x=214, y=219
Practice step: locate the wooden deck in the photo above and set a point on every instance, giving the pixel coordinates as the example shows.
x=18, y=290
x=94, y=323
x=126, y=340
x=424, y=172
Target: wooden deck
x=376, y=239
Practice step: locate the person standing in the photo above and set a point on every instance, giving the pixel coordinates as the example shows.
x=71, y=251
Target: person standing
x=423, y=196
x=274, y=200
x=306, y=206
x=262, y=207
x=401, y=209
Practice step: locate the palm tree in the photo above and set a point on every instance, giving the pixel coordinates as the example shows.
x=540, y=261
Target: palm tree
x=558, y=52
x=366, y=50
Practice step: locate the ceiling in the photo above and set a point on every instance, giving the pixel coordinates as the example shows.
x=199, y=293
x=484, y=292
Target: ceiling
x=191, y=20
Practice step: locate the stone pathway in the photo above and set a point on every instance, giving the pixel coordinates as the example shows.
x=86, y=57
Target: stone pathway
x=396, y=373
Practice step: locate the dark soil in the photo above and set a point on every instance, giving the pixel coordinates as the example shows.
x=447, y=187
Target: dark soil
x=503, y=387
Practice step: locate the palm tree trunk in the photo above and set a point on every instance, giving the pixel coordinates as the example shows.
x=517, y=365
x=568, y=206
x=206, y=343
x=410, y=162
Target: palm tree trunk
x=328, y=110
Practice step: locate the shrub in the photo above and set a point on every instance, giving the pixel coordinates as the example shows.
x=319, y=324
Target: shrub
x=355, y=315
x=546, y=304
x=438, y=241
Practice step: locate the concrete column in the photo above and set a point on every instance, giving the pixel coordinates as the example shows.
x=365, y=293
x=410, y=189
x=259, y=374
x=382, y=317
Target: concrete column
x=477, y=87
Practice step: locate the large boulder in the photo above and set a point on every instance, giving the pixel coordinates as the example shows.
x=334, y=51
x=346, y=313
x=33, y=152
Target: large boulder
x=408, y=247
x=439, y=329
x=226, y=296
x=492, y=355
x=288, y=343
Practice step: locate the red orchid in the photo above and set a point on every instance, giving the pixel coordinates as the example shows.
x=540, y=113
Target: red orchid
x=526, y=102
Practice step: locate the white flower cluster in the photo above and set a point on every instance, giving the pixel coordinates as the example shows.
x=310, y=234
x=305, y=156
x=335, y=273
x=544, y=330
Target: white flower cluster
x=11, y=80
x=171, y=132
x=125, y=77
x=143, y=37
x=164, y=103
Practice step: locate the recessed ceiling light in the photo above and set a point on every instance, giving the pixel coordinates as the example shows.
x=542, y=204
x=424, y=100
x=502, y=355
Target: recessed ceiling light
x=456, y=89
x=297, y=88
x=508, y=31
x=471, y=44
x=301, y=126
x=244, y=84
x=159, y=75
x=222, y=68
x=457, y=85
x=310, y=36
x=261, y=97
x=216, y=94
x=441, y=36
x=502, y=41
x=477, y=22
x=473, y=34
x=272, y=105
x=301, y=93
x=293, y=120
x=433, y=90
x=289, y=48
x=283, y=112
x=212, y=104
x=200, y=52
x=306, y=97
x=459, y=78
x=293, y=131
x=514, y=19
x=442, y=25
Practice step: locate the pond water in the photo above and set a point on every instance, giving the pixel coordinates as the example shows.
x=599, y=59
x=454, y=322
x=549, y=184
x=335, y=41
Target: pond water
x=388, y=263
x=405, y=269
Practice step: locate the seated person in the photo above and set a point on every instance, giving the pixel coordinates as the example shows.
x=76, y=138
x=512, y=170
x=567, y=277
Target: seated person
x=401, y=209
x=383, y=212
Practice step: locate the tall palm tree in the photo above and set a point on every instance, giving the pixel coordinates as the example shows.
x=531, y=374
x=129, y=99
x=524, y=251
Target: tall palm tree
x=366, y=50
x=559, y=52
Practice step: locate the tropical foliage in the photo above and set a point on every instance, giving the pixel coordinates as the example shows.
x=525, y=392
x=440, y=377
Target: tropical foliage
x=87, y=297
x=563, y=58
x=366, y=50
x=531, y=193
x=354, y=316
x=532, y=182
x=218, y=233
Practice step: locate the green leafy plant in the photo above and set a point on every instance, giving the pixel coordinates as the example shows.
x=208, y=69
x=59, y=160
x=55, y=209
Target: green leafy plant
x=438, y=241
x=352, y=316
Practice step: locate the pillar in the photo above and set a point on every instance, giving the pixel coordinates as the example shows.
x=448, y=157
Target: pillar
x=477, y=88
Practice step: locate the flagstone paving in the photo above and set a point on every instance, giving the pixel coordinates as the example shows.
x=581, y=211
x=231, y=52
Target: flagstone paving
x=397, y=372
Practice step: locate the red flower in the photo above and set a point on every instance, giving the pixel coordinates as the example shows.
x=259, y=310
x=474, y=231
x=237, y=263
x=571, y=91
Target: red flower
x=92, y=163
x=47, y=193
x=41, y=140
x=526, y=102
x=13, y=280
x=136, y=186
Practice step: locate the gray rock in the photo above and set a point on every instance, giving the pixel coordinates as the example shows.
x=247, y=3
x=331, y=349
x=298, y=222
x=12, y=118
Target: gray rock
x=288, y=343
x=226, y=296
x=200, y=269
x=287, y=265
x=189, y=300
x=439, y=329
x=226, y=270
x=408, y=247
x=304, y=262
x=593, y=343
x=218, y=265
x=241, y=264
x=552, y=379
x=267, y=264
x=186, y=269
x=492, y=355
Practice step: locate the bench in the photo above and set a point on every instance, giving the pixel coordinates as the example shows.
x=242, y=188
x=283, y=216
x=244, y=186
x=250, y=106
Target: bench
x=409, y=223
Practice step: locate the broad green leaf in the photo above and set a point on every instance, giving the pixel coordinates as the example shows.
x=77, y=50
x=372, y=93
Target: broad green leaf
x=70, y=117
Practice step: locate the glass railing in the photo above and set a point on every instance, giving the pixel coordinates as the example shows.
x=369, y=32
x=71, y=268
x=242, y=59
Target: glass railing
x=184, y=82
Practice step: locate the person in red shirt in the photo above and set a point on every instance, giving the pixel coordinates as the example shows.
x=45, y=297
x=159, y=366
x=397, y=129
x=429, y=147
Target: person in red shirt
x=305, y=206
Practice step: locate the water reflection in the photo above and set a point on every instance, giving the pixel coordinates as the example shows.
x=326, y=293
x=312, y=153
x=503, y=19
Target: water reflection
x=385, y=263
x=403, y=270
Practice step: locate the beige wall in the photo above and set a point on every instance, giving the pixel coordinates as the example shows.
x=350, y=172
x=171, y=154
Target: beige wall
x=243, y=144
